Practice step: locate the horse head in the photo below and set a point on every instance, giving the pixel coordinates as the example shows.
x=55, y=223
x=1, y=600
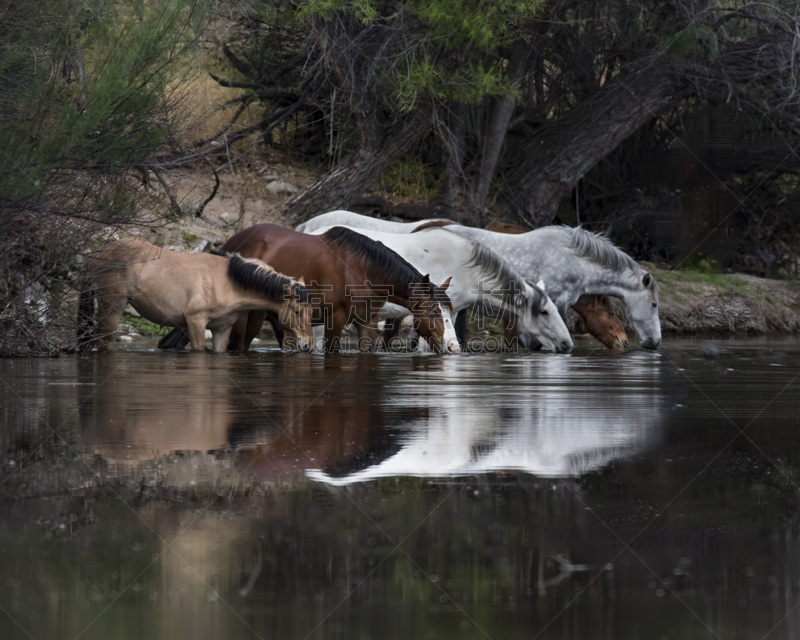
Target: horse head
x=602, y=321
x=541, y=317
x=642, y=303
x=433, y=315
x=295, y=316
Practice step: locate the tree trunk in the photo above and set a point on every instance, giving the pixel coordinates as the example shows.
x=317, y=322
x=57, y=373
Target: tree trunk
x=352, y=176
x=554, y=160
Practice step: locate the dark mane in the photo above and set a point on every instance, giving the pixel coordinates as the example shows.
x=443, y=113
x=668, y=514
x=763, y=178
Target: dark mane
x=257, y=276
x=599, y=250
x=385, y=266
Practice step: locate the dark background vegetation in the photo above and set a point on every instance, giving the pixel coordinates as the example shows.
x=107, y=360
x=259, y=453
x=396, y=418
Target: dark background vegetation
x=671, y=125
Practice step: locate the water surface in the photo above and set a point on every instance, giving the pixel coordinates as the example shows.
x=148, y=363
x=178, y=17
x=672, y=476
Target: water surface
x=498, y=496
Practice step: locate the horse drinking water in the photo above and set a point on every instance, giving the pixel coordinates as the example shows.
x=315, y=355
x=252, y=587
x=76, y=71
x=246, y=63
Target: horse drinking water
x=187, y=290
x=594, y=308
x=350, y=277
x=478, y=277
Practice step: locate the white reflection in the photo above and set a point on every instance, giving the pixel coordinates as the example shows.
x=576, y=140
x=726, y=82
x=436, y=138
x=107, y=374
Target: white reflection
x=567, y=417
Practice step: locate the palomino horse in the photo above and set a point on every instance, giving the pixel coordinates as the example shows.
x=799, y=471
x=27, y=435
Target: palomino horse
x=573, y=262
x=191, y=290
x=350, y=278
x=478, y=277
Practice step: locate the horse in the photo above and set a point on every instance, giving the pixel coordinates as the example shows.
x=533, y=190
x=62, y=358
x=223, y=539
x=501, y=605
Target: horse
x=350, y=277
x=595, y=310
x=191, y=290
x=356, y=220
x=575, y=262
x=478, y=276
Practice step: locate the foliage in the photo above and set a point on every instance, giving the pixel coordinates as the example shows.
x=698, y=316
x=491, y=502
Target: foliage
x=87, y=97
x=144, y=327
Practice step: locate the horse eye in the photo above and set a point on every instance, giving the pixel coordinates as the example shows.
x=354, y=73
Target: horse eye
x=545, y=312
x=655, y=304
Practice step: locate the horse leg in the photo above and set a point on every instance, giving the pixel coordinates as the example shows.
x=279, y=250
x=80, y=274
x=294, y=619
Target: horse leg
x=238, y=332
x=461, y=328
x=196, y=326
x=511, y=330
x=175, y=339
x=219, y=339
x=110, y=306
x=255, y=320
x=334, y=325
x=369, y=334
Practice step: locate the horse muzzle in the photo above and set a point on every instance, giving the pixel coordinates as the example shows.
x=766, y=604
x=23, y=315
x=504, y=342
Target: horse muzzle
x=565, y=346
x=651, y=344
x=452, y=347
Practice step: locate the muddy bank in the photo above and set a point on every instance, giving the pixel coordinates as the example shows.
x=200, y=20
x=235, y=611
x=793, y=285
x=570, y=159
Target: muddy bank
x=693, y=303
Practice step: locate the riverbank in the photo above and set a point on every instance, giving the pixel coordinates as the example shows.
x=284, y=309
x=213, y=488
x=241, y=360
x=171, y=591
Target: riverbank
x=691, y=302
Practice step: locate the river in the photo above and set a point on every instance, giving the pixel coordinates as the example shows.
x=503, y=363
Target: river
x=503, y=496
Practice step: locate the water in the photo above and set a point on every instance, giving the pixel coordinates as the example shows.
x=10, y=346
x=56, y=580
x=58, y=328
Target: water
x=503, y=496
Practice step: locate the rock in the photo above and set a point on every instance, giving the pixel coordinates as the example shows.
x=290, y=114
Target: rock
x=280, y=187
x=228, y=218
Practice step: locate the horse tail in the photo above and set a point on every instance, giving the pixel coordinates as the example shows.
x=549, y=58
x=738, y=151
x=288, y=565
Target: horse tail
x=85, y=317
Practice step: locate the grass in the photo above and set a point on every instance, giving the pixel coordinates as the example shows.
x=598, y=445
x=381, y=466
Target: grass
x=144, y=327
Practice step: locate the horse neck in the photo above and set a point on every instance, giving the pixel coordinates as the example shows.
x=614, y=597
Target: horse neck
x=601, y=281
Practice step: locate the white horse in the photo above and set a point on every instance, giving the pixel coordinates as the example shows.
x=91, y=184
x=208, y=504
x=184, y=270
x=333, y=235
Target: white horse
x=479, y=276
x=342, y=218
x=572, y=261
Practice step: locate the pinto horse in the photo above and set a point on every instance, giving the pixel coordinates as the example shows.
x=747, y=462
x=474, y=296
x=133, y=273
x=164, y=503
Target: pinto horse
x=187, y=290
x=350, y=278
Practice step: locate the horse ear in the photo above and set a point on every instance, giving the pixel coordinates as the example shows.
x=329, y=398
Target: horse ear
x=426, y=278
x=301, y=281
x=646, y=279
x=446, y=284
x=540, y=284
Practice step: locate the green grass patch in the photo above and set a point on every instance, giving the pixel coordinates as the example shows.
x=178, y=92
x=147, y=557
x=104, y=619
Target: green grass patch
x=144, y=327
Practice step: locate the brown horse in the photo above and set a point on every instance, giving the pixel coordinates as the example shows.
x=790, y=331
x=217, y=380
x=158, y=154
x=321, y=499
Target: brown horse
x=596, y=311
x=350, y=278
x=188, y=290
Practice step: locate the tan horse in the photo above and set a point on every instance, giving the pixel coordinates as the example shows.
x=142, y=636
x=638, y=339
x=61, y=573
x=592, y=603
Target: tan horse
x=194, y=291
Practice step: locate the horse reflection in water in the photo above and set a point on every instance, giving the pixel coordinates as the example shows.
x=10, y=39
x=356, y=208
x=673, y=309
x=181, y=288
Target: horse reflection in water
x=143, y=412
x=555, y=429
x=329, y=426
x=269, y=436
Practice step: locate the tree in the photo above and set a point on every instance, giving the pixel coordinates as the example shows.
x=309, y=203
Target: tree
x=86, y=102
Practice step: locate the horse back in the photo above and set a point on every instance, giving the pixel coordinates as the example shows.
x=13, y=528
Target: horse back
x=295, y=254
